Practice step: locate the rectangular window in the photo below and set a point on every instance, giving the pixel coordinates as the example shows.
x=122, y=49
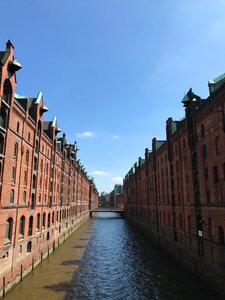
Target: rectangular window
x=13, y=174
x=204, y=153
x=210, y=228
x=189, y=224
x=206, y=173
x=215, y=174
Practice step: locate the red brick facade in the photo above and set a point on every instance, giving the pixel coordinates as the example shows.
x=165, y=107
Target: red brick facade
x=177, y=193
x=45, y=193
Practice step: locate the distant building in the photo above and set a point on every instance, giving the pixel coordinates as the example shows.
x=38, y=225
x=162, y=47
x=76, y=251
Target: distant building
x=116, y=196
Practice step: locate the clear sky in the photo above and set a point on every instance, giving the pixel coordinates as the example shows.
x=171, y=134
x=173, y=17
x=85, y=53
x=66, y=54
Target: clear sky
x=113, y=71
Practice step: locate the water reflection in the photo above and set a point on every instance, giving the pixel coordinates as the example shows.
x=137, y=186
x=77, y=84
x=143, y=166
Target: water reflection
x=119, y=263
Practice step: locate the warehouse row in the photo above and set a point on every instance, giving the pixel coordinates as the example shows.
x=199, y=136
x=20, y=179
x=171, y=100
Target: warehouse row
x=45, y=192
x=176, y=193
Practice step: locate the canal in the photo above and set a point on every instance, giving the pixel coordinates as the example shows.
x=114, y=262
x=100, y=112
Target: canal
x=107, y=258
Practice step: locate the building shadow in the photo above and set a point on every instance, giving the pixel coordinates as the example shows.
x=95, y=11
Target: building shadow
x=75, y=262
x=80, y=247
x=60, y=286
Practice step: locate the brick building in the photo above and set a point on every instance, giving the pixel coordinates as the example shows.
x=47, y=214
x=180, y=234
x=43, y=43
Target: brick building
x=45, y=193
x=177, y=192
x=116, y=196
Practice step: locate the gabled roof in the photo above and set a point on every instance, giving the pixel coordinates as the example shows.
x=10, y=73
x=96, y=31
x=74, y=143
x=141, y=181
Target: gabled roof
x=39, y=98
x=185, y=99
x=26, y=102
x=47, y=125
x=215, y=84
x=141, y=162
x=159, y=144
x=174, y=127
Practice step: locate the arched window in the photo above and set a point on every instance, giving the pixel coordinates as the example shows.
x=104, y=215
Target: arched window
x=29, y=137
x=35, y=163
x=34, y=181
x=53, y=217
x=33, y=201
x=30, y=228
x=18, y=127
x=221, y=235
x=38, y=221
x=9, y=229
x=202, y=131
x=208, y=196
x=189, y=224
x=215, y=175
x=13, y=174
x=224, y=171
x=15, y=150
x=22, y=226
x=217, y=144
x=204, y=151
x=1, y=143
x=7, y=92
x=27, y=157
x=25, y=178
x=44, y=219
x=36, y=147
x=49, y=220
x=199, y=222
x=39, y=129
x=24, y=196
x=210, y=228
x=40, y=182
x=3, y=117
x=29, y=247
x=12, y=196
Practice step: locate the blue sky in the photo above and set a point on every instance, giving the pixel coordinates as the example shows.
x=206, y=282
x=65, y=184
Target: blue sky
x=113, y=71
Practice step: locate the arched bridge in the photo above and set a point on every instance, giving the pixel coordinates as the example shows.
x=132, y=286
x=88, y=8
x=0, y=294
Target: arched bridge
x=120, y=211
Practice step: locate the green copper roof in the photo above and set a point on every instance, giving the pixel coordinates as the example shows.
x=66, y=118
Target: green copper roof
x=141, y=162
x=159, y=144
x=185, y=99
x=174, y=127
x=118, y=188
x=215, y=84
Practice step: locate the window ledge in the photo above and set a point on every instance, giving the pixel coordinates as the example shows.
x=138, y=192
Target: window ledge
x=7, y=243
x=5, y=103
